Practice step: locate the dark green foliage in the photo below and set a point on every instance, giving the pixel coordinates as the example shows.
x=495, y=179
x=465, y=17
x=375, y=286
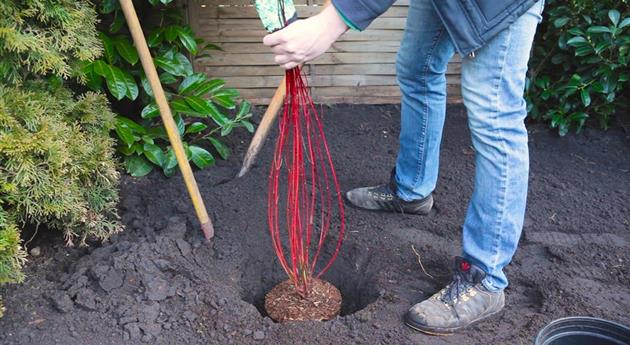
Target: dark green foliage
x=579, y=68
x=201, y=106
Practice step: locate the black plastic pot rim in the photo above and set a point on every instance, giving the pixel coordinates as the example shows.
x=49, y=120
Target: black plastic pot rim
x=585, y=325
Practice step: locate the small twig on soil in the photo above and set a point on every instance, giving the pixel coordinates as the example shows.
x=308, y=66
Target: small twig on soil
x=32, y=237
x=420, y=262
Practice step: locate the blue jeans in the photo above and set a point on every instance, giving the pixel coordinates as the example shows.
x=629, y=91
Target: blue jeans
x=492, y=89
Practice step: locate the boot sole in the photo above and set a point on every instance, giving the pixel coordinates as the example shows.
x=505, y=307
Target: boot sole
x=444, y=331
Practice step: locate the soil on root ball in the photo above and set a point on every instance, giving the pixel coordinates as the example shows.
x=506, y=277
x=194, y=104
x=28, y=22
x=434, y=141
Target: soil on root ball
x=283, y=303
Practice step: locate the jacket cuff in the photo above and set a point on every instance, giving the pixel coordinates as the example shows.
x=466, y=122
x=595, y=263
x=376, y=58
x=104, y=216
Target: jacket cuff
x=345, y=19
x=355, y=12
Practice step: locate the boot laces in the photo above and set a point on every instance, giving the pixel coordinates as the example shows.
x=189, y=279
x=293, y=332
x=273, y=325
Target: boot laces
x=457, y=290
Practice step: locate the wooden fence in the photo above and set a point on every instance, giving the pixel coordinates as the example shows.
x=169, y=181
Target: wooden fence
x=359, y=68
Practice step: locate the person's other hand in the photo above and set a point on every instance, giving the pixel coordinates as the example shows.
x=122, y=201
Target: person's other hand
x=304, y=40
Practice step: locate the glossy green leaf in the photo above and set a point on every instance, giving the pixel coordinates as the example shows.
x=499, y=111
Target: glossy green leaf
x=225, y=101
x=227, y=129
x=624, y=23
x=217, y=116
x=248, y=125
x=196, y=127
x=221, y=148
x=134, y=126
x=191, y=83
x=560, y=22
x=576, y=31
x=188, y=41
x=598, y=29
x=170, y=32
x=157, y=132
x=137, y=166
x=201, y=157
x=130, y=83
x=108, y=47
x=116, y=81
x=614, y=16
x=576, y=41
x=598, y=87
x=169, y=66
x=583, y=50
x=244, y=110
x=199, y=105
x=167, y=78
x=125, y=134
x=209, y=86
x=146, y=86
x=183, y=61
x=93, y=80
x=586, y=97
x=154, y=154
x=227, y=92
x=178, y=65
x=126, y=150
x=170, y=163
x=601, y=46
x=181, y=126
x=588, y=19
x=126, y=50
x=149, y=111
x=155, y=38
x=179, y=105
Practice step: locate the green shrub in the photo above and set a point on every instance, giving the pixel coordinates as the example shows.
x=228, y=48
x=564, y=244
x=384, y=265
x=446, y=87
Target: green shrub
x=40, y=37
x=57, y=164
x=580, y=63
x=201, y=106
x=12, y=256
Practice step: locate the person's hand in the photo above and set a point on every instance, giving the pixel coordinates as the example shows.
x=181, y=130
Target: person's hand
x=306, y=39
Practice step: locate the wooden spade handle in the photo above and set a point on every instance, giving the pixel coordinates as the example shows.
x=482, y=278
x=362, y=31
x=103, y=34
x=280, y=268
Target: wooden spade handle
x=263, y=128
x=167, y=117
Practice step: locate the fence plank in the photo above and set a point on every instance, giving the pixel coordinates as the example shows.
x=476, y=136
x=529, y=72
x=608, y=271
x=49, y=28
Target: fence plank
x=358, y=68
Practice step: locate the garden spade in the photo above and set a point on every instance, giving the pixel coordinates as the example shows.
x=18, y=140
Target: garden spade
x=167, y=117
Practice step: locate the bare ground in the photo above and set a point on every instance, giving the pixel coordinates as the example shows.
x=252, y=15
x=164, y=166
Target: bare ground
x=161, y=283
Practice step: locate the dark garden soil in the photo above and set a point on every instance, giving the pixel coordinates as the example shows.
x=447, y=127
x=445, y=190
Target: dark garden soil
x=159, y=282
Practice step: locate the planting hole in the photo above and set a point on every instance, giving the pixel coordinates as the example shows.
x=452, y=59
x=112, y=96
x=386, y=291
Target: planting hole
x=351, y=274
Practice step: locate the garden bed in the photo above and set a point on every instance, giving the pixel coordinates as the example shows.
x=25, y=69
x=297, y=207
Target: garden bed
x=159, y=282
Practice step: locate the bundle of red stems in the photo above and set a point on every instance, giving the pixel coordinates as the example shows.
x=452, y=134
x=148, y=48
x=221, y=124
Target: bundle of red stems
x=312, y=198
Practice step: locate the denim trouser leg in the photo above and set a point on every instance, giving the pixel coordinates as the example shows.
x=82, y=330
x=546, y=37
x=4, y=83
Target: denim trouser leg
x=492, y=88
x=421, y=69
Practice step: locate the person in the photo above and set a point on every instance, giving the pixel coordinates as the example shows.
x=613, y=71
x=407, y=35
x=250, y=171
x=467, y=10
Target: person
x=494, y=38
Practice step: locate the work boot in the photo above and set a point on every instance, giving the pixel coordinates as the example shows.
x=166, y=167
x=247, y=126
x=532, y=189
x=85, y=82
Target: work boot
x=384, y=198
x=463, y=301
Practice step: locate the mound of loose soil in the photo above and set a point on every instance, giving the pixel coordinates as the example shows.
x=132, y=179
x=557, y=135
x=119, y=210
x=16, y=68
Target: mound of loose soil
x=283, y=303
x=161, y=283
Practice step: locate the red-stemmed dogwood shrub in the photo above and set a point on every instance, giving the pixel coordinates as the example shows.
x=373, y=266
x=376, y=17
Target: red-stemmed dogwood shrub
x=310, y=208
